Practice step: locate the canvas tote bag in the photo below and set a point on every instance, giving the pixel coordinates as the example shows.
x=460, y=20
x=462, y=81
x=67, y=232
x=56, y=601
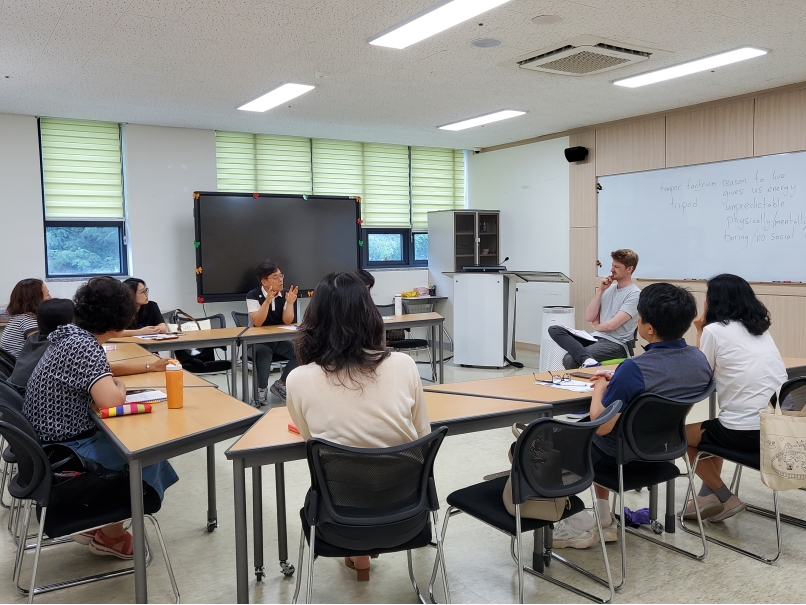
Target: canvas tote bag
x=783, y=447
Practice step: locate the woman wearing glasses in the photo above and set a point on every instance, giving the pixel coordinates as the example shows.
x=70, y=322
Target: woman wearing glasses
x=147, y=319
x=272, y=305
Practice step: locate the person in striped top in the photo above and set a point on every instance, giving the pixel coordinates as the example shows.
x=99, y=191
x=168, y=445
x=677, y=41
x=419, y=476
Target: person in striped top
x=26, y=297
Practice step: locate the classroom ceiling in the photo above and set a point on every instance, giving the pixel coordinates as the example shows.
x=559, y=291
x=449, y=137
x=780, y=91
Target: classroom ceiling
x=190, y=63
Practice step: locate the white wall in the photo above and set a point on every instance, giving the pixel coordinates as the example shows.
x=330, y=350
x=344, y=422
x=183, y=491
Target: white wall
x=22, y=245
x=163, y=167
x=529, y=185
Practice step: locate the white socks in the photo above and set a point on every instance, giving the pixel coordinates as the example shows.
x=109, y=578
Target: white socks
x=603, y=508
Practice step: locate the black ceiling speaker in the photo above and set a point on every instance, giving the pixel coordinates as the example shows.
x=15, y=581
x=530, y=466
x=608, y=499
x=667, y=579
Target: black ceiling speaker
x=576, y=154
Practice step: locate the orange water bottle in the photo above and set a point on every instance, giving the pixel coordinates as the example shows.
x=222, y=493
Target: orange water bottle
x=174, y=385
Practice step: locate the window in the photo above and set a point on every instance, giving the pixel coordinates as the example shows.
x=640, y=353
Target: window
x=386, y=248
x=82, y=179
x=398, y=185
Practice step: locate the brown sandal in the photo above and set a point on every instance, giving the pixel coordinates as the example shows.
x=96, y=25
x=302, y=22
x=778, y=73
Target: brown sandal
x=361, y=572
x=120, y=547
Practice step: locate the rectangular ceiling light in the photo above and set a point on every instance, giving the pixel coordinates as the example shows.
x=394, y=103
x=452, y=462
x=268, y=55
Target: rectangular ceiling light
x=692, y=67
x=276, y=97
x=433, y=20
x=485, y=119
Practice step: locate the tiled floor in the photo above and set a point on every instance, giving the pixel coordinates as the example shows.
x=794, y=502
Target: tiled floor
x=479, y=564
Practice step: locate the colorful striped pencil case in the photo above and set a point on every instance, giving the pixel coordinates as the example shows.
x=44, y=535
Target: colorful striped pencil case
x=125, y=410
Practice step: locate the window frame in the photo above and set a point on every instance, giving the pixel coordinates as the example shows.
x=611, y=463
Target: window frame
x=121, y=224
x=414, y=261
x=408, y=252
x=122, y=245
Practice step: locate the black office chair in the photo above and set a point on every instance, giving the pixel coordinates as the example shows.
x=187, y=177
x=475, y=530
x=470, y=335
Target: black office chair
x=242, y=321
x=793, y=396
x=551, y=459
x=8, y=358
x=36, y=484
x=409, y=344
x=11, y=397
x=651, y=435
x=6, y=368
x=370, y=502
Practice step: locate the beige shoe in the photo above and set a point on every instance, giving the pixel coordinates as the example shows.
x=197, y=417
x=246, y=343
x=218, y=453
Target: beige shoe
x=732, y=507
x=709, y=505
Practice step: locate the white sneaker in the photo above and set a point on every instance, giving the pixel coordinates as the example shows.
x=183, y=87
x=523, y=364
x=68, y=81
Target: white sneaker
x=566, y=536
x=590, y=362
x=610, y=532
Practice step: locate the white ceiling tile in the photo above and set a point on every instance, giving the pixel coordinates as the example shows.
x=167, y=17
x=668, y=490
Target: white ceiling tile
x=98, y=13
x=35, y=14
x=159, y=9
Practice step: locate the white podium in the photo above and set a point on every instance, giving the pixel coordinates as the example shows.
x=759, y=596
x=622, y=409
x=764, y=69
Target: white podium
x=485, y=311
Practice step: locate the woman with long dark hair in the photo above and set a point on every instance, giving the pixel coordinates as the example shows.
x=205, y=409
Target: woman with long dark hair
x=348, y=388
x=147, y=317
x=733, y=333
x=25, y=299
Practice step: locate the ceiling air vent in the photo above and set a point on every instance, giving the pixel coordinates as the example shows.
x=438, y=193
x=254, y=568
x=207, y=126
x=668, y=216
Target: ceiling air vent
x=583, y=56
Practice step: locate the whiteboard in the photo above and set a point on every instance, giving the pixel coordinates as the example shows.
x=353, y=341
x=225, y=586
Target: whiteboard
x=746, y=217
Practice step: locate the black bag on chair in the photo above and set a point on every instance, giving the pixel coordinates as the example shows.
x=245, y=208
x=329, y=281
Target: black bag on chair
x=82, y=482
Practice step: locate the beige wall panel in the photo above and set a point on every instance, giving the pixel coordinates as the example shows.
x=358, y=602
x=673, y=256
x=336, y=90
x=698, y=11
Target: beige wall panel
x=713, y=134
x=582, y=185
x=583, y=270
x=631, y=147
x=780, y=123
x=788, y=313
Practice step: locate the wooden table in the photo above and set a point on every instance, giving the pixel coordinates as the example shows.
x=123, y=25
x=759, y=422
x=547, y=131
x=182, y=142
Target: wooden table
x=264, y=334
x=208, y=416
x=156, y=380
x=270, y=442
x=196, y=339
x=795, y=366
x=126, y=351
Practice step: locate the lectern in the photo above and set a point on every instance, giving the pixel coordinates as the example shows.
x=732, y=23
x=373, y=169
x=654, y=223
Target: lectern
x=484, y=314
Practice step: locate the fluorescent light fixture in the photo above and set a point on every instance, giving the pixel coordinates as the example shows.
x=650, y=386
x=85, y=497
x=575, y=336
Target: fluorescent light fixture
x=485, y=119
x=276, y=97
x=433, y=20
x=692, y=67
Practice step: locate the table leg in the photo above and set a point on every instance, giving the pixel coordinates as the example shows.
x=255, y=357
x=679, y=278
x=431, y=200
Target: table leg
x=233, y=355
x=712, y=405
x=257, y=521
x=537, y=550
x=244, y=373
x=138, y=531
x=282, y=530
x=241, y=557
x=669, y=526
x=441, y=356
x=433, y=352
x=212, y=513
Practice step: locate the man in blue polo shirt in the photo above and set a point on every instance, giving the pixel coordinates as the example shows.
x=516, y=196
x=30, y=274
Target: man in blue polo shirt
x=668, y=367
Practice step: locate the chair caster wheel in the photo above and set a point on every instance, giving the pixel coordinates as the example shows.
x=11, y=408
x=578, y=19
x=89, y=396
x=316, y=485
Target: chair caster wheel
x=656, y=526
x=260, y=573
x=547, y=559
x=211, y=525
x=286, y=568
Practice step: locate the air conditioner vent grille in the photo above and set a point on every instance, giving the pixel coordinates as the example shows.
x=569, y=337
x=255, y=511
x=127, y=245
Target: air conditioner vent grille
x=556, y=51
x=621, y=49
x=583, y=63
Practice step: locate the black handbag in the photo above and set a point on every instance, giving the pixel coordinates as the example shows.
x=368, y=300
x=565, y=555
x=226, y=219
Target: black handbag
x=80, y=482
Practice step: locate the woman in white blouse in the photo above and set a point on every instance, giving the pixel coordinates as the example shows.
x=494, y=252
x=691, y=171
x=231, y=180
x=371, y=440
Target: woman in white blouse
x=349, y=389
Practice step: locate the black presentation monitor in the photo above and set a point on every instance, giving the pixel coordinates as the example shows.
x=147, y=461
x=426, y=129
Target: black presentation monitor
x=307, y=236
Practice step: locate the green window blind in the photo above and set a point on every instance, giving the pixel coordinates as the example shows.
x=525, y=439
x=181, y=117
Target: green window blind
x=283, y=164
x=82, y=169
x=437, y=182
x=386, y=200
x=338, y=167
x=236, y=168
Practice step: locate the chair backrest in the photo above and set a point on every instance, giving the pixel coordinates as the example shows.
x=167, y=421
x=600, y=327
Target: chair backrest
x=10, y=396
x=34, y=476
x=632, y=342
x=653, y=428
x=216, y=321
x=552, y=458
x=241, y=319
x=386, y=310
x=372, y=487
x=6, y=368
x=793, y=394
x=8, y=357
